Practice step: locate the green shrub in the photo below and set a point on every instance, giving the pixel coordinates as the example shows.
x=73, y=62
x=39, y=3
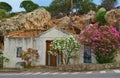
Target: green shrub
x=101, y=18
x=2, y=60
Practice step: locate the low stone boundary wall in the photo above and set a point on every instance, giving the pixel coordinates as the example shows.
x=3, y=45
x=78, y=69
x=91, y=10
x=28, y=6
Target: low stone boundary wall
x=88, y=67
x=10, y=70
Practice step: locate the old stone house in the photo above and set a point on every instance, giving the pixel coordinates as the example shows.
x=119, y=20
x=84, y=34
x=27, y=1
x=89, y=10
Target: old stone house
x=16, y=41
x=36, y=39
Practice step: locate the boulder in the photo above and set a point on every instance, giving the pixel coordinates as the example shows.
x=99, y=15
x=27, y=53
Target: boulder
x=35, y=19
x=73, y=24
x=112, y=17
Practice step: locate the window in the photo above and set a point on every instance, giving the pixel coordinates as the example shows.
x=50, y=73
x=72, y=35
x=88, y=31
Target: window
x=87, y=54
x=19, y=50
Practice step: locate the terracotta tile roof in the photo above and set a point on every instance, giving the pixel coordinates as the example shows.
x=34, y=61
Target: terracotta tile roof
x=24, y=33
x=33, y=32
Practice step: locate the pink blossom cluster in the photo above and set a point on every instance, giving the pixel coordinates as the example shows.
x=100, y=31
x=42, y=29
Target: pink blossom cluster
x=103, y=39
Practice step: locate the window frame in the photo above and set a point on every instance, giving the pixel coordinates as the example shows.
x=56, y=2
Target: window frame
x=18, y=51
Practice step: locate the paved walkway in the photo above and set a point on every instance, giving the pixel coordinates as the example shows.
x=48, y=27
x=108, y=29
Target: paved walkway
x=63, y=73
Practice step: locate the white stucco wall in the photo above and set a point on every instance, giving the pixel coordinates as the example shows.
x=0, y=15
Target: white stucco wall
x=10, y=49
x=41, y=42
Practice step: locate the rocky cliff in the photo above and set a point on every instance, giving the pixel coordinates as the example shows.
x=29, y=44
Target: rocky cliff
x=36, y=19
x=113, y=18
x=73, y=24
x=41, y=19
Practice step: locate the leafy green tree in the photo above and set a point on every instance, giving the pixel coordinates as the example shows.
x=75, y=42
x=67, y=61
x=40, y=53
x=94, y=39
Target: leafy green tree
x=84, y=6
x=109, y=4
x=68, y=46
x=67, y=6
x=5, y=6
x=59, y=6
x=3, y=14
x=28, y=5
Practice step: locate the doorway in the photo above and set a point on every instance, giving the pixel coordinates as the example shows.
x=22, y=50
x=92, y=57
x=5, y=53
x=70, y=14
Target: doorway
x=52, y=60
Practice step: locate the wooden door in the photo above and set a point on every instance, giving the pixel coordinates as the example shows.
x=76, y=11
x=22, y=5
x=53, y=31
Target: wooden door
x=50, y=59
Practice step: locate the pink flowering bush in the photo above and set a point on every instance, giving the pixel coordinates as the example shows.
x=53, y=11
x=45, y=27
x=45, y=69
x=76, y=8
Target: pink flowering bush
x=30, y=56
x=104, y=41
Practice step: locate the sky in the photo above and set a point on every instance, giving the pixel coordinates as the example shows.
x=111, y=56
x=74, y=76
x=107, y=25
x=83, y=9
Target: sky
x=16, y=3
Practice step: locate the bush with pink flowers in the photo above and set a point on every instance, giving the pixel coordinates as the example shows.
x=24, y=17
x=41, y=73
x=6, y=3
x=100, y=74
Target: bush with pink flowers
x=104, y=41
x=30, y=57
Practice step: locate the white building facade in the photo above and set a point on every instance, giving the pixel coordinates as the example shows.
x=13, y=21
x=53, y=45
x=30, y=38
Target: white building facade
x=41, y=42
x=11, y=45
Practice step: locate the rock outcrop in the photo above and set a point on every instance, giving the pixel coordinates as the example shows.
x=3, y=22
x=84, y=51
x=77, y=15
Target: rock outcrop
x=41, y=19
x=73, y=24
x=113, y=17
x=91, y=17
x=36, y=19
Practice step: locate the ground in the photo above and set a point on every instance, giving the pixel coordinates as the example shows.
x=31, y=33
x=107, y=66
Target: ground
x=89, y=74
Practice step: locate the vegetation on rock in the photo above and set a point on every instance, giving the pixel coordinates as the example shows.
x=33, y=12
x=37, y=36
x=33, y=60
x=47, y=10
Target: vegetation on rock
x=5, y=6
x=28, y=5
x=3, y=14
x=100, y=18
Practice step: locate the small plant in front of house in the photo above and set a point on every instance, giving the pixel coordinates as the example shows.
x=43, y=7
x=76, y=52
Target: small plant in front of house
x=67, y=46
x=104, y=41
x=2, y=57
x=30, y=57
x=2, y=60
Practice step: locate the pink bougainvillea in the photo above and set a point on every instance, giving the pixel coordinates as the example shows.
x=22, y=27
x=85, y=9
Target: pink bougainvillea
x=104, y=41
x=30, y=56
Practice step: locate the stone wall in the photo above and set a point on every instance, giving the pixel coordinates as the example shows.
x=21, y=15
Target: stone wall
x=88, y=67
x=117, y=56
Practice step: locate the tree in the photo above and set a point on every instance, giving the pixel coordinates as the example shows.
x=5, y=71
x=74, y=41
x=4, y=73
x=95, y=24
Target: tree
x=67, y=6
x=3, y=14
x=28, y=5
x=68, y=46
x=59, y=6
x=71, y=5
x=84, y=6
x=5, y=6
x=108, y=4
